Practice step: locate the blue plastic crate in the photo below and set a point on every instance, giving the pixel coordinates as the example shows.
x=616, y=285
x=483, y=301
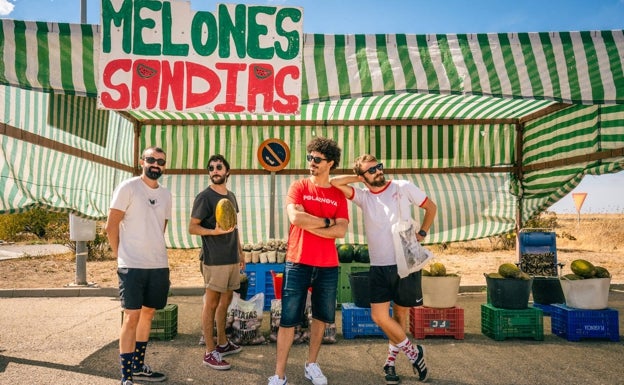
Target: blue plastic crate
x=575, y=324
x=547, y=309
x=357, y=322
x=261, y=280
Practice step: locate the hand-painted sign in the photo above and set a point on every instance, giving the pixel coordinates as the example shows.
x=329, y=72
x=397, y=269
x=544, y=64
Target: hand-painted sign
x=273, y=154
x=161, y=55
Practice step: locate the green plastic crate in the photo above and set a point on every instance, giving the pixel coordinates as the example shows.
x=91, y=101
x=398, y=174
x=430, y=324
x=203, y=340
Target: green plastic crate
x=164, y=323
x=499, y=324
x=344, y=287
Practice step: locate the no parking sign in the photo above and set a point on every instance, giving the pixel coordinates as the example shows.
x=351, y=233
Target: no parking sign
x=273, y=154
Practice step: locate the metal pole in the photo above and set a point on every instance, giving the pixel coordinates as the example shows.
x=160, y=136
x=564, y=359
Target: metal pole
x=81, y=263
x=272, y=208
x=83, y=11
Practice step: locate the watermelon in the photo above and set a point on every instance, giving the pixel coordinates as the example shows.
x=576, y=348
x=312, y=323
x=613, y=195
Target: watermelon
x=225, y=214
x=361, y=254
x=345, y=253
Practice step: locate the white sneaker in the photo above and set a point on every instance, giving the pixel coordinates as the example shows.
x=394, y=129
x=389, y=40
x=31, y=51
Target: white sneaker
x=313, y=373
x=275, y=380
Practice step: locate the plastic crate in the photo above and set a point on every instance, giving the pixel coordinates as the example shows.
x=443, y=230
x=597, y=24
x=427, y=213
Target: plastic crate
x=500, y=324
x=164, y=323
x=575, y=324
x=343, y=294
x=547, y=309
x=261, y=281
x=357, y=322
x=427, y=321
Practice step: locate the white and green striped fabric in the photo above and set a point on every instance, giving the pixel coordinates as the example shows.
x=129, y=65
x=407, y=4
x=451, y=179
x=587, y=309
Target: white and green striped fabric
x=444, y=103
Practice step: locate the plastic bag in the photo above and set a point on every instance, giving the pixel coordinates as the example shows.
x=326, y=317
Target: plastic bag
x=246, y=319
x=410, y=255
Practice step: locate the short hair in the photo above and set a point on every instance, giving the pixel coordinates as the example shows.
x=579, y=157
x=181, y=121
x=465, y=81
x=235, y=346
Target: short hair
x=154, y=149
x=328, y=147
x=218, y=158
x=357, y=164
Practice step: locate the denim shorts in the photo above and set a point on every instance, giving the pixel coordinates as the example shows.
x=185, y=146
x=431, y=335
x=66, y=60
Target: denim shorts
x=298, y=278
x=143, y=287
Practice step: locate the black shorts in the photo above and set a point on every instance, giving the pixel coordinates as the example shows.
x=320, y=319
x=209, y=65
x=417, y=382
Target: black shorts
x=143, y=287
x=386, y=286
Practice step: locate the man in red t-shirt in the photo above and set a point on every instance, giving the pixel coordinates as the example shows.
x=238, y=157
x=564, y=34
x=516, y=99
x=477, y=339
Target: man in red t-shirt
x=318, y=214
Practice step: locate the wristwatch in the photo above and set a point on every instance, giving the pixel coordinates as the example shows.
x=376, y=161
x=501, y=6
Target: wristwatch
x=327, y=222
x=422, y=233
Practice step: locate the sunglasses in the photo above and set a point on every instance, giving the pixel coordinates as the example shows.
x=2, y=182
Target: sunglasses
x=316, y=159
x=218, y=167
x=373, y=170
x=152, y=160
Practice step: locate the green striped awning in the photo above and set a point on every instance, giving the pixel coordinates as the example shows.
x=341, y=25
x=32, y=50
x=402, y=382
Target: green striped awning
x=536, y=111
x=573, y=67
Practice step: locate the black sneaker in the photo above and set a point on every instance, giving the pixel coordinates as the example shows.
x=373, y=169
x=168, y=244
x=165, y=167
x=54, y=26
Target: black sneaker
x=391, y=376
x=146, y=374
x=419, y=365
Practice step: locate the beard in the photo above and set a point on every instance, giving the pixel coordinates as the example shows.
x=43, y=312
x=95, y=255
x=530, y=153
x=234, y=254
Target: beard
x=153, y=172
x=217, y=179
x=377, y=181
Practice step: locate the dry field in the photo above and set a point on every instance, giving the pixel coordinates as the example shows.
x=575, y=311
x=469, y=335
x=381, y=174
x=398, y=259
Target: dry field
x=597, y=238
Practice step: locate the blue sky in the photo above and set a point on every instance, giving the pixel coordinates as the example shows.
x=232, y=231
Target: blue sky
x=605, y=192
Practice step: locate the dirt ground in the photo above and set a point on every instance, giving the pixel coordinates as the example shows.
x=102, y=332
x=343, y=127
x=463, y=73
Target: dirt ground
x=596, y=238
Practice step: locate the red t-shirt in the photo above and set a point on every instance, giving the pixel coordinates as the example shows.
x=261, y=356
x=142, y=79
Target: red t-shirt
x=324, y=202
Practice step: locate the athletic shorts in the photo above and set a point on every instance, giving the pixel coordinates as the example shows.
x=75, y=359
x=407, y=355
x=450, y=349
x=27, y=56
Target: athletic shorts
x=387, y=286
x=143, y=287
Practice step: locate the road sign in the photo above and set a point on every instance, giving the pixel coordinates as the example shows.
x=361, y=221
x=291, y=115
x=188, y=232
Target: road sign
x=273, y=154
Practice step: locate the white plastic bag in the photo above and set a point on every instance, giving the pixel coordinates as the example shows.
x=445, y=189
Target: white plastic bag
x=410, y=255
x=247, y=320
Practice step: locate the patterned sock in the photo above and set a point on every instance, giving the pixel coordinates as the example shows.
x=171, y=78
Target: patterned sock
x=393, y=351
x=139, y=356
x=409, y=349
x=126, y=366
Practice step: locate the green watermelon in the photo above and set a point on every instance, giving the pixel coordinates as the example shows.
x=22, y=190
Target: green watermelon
x=345, y=253
x=361, y=254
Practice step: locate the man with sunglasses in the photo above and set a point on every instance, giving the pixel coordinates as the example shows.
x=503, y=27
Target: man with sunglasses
x=380, y=202
x=138, y=216
x=318, y=214
x=221, y=262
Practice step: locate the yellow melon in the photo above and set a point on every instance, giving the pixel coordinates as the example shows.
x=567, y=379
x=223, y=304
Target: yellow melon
x=225, y=214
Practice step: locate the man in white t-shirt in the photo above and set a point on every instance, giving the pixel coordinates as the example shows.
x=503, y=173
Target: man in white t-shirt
x=138, y=216
x=383, y=203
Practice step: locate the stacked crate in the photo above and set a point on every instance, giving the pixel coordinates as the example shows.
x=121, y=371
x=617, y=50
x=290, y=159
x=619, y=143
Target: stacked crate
x=427, y=321
x=261, y=281
x=164, y=323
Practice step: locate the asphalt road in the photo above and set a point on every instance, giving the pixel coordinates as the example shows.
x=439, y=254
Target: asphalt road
x=73, y=341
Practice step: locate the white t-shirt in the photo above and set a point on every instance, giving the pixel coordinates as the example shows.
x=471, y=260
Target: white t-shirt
x=381, y=211
x=141, y=240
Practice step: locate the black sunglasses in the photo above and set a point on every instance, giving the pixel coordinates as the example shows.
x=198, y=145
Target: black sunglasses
x=317, y=159
x=152, y=160
x=373, y=170
x=212, y=168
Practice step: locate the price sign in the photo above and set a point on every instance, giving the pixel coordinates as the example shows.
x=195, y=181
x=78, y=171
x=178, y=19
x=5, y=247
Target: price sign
x=273, y=154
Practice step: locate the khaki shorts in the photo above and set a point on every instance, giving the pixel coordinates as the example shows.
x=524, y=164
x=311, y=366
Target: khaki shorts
x=221, y=278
